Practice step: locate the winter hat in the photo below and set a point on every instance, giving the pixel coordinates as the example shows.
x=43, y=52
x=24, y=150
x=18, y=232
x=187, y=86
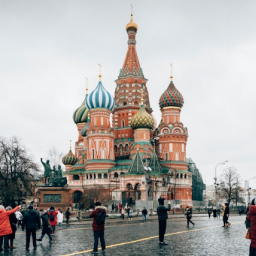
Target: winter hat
x=52, y=208
x=97, y=204
x=161, y=200
x=30, y=207
x=1, y=207
x=253, y=201
x=8, y=208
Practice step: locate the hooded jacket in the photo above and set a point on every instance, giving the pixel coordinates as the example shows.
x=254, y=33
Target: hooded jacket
x=5, y=226
x=31, y=220
x=94, y=214
x=252, y=219
x=54, y=213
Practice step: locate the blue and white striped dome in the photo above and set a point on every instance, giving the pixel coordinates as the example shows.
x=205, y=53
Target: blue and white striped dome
x=100, y=98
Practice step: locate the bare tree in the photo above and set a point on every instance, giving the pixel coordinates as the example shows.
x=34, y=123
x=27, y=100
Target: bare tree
x=55, y=156
x=17, y=169
x=93, y=195
x=230, y=188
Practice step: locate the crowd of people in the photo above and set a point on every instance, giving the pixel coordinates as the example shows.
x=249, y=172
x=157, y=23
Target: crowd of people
x=29, y=220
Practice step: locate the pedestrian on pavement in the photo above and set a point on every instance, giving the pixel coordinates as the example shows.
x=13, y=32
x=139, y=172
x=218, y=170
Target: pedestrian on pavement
x=252, y=219
x=162, y=217
x=223, y=215
x=60, y=217
x=144, y=214
x=67, y=215
x=116, y=208
x=46, y=227
x=120, y=207
x=130, y=213
x=214, y=211
x=31, y=221
x=113, y=208
x=226, y=215
x=209, y=212
x=5, y=227
x=218, y=213
x=98, y=226
x=13, y=221
x=53, y=218
x=122, y=213
x=19, y=217
x=189, y=216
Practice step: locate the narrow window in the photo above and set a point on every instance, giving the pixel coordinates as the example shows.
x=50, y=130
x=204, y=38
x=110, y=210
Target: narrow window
x=170, y=147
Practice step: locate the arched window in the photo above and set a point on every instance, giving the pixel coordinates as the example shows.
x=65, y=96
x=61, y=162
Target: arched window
x=124, y=103
x=94, y=176
x=105, y=176
x=77, y=196
x=123, y=122
x=99, y=176
x=116, y=175
x=120, y=149
x=177, y=175
x=90, y=176
x=126, y=147
x=181, y=176
x=75, y=177
x=115, y=147
x=185, y=176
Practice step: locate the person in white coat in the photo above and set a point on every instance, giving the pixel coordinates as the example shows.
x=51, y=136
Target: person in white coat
x=60, y=217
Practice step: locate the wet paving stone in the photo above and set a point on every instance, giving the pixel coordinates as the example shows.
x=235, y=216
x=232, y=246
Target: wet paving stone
x=134, y=238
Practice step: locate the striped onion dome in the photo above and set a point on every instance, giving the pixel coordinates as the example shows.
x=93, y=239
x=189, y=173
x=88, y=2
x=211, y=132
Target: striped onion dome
x=100, y=98
x=81, y=114
x=171, y=97
x=69, y=159
x=142, y=119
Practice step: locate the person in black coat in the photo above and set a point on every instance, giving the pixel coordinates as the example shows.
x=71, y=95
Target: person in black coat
x=67, y=214
x=189, y=216
x=226, y=215
x=46, y=227
x=13, y=222
x=162, y=217
x=31, y=221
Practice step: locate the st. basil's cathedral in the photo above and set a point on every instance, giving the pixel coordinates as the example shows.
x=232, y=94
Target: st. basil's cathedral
x=121, y=150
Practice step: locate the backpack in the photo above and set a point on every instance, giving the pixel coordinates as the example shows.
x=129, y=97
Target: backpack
x=100, y=219
x=51, y=217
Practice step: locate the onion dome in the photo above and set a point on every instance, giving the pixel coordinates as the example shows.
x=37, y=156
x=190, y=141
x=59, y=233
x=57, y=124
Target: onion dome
x=171, y=97
x=131, y=25
x=81, y=114
x=69, y=159
x=142, y=119
x=100, y=98
x=86, y=127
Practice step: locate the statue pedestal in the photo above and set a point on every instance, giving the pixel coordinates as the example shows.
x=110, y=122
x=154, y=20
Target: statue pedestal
x=59, y=197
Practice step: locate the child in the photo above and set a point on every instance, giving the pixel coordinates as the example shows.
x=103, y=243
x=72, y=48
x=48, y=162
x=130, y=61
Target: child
x=46, y=227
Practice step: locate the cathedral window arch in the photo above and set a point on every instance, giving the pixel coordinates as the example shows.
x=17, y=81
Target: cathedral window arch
x=94, y=176
x=99, y=176
x=177, y=176
x=115, y=148
x=124, y=103
x=90, y=176
x=185, y=176
x=181, y=176
x=120, y=149
x=126, y=147
x=75, y=177
x=105, y=176
x=136, y=103
x=123, y=122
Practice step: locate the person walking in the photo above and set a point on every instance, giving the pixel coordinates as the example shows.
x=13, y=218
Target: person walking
x=209, y=212
x=67, y=215
x=113, y=208
x=53, y=218
x=189, y=216
x=46, y=227
x=98, y=226
x=120, y=207
x=226, y=216
x=60, y=217
x=218, y=213
x=162, y=217
x=31, y=221
x=214, y=211
x=223, y=215
x=5, y=227
x=130, y=213
x=19, y=217
x=122, y=213
x=13, y=221
x=252, y=220
x=144, y=214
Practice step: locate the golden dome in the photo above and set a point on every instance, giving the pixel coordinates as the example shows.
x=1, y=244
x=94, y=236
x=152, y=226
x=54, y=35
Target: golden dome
x=132, y=25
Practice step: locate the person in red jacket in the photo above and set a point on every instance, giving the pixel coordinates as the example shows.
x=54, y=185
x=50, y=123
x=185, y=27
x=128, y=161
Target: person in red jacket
x=98, y=226
x=5, y=226
x=53, y=218
x=252, y=219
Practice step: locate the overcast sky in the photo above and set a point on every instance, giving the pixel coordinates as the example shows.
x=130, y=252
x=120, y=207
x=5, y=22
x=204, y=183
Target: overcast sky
x=47, y=48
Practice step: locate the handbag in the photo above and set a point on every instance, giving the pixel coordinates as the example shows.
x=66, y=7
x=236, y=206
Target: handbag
x=248, y=234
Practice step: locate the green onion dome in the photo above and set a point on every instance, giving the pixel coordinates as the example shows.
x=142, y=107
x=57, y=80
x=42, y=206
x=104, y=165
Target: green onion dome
x=142, y=119
x=81, y=114
x=171, y=97
x=69, y=159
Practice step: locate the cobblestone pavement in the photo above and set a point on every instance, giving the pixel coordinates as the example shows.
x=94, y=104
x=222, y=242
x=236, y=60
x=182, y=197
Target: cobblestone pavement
x=133, y=238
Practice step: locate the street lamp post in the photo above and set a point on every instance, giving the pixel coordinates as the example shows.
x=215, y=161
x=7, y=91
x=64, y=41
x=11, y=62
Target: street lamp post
x=215, y=182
